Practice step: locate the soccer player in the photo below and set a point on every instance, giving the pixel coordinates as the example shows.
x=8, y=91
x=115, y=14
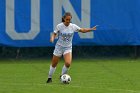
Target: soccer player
x=65, y=31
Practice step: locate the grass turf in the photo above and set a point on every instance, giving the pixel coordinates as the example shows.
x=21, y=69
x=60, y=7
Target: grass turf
x=88, y=76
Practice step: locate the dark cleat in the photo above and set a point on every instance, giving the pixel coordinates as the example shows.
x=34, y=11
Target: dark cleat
x=49, y=80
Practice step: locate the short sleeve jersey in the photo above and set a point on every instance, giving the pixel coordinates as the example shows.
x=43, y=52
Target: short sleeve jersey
x=65, y=34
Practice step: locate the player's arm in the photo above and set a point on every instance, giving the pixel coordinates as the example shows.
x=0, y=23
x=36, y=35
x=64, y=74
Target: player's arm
x=53, y=37
x=84, y=30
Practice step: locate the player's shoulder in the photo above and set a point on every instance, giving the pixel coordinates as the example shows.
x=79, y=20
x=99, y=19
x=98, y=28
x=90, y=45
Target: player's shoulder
x=75, y=26
x=60, y=25
x=71, y=24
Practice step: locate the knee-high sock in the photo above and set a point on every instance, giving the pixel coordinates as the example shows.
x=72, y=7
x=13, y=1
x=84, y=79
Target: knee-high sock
x=51, y=71
x=64, y=70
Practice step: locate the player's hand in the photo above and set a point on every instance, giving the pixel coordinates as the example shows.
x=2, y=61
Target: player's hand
x=51, y=40
x=95, y=27
x=52, y=37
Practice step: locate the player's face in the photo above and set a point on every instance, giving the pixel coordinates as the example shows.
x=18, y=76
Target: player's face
x=67, y=20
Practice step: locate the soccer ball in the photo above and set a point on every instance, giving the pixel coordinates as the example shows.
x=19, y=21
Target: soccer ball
x=66, y=79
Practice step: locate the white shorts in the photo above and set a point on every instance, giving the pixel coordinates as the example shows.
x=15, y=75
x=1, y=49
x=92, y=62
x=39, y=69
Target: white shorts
x=60, y=50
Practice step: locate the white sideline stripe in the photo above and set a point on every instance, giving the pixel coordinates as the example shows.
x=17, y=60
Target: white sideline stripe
x=76, y=86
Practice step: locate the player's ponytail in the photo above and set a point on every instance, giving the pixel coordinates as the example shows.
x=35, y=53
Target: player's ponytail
x=66, y=14
x=63, y=19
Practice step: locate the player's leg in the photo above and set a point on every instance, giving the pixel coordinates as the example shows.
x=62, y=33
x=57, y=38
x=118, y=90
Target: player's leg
x=56, y=56
x=53, y=65
x=67, y=59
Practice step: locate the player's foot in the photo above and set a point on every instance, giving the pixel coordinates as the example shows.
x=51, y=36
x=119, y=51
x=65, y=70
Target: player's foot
x=49, y=80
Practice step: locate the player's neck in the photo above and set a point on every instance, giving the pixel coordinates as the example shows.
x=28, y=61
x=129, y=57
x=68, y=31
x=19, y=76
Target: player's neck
x=66, y=24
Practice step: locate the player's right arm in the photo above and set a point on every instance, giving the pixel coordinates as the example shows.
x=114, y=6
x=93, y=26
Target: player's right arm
x=53, y=37
x=54, y=34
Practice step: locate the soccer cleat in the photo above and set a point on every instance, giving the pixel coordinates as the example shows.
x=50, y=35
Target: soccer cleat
x=49, y=80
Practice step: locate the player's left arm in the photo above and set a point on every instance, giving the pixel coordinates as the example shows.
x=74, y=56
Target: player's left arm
x=84, y=30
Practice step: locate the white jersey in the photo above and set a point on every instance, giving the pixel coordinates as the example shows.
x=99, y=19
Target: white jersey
x=65, y=34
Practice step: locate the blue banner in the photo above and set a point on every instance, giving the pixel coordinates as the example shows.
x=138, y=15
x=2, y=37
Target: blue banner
x=29, y=23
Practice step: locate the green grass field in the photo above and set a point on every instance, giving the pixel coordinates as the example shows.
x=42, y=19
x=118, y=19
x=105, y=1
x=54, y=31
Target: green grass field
x=88, y=76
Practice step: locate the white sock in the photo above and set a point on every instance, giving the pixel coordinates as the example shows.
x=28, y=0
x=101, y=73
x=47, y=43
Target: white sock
x=51, y=71
x=64, y=70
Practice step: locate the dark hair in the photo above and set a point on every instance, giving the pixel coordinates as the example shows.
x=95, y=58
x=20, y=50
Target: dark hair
x=66, y=14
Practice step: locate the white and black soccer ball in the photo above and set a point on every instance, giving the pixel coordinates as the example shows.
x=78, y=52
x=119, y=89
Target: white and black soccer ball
x=66, y=79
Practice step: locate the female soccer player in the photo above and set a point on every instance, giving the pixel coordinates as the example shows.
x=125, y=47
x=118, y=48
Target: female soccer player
x=65, y=31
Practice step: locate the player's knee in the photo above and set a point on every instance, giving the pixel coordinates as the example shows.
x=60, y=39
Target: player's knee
x=54, y=64
x=67, y=64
